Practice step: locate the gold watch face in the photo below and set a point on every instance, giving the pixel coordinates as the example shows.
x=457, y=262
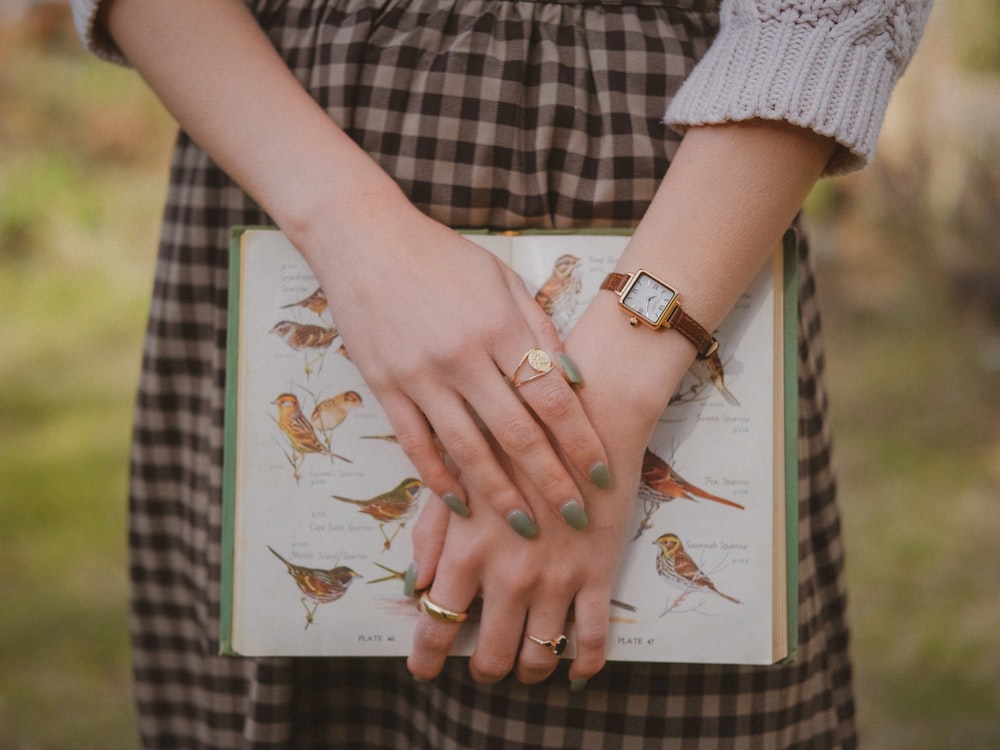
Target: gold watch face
x=649, y=299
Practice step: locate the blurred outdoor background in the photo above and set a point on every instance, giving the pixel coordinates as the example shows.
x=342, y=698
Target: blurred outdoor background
x=909, y=256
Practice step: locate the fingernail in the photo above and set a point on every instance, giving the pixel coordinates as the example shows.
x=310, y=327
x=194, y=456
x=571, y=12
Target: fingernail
x=570, y=369
x=574, y=514
x=522, y=523
x=455, y=503
x=410, y=579
x=600, y=475
x=577, y=685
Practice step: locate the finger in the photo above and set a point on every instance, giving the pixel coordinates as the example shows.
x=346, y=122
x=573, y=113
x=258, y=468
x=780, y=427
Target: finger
x=591, y=616
x=520, y=437
x=554, y=400
x=499, y=634
x=469, y=448
x=428, y=542
x=424, y=449
x=544, y=640
x=433, y=638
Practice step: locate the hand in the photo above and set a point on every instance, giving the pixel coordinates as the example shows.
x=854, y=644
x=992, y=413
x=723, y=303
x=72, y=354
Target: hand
x=530, y=587
x=435, y=323
x=432, y=325
x=558, y=583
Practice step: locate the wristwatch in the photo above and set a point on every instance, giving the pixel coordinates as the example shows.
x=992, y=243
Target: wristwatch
x=656, y=304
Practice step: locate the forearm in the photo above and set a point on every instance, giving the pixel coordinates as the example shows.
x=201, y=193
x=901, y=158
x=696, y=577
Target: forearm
x=728, y=197
x=218, y=74
x=725, y=202
x=430, y=319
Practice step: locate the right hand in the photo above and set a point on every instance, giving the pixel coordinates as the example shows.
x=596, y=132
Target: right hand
x=434, y=323
x=431, y=320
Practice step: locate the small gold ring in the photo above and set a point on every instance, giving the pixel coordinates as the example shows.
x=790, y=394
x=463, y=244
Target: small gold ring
x=536, y=359
x=440, y=613
x=557, y=645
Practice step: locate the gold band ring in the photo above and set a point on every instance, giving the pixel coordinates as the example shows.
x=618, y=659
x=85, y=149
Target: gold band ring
x=556, y=645
x=537, y=360
x=440, y=613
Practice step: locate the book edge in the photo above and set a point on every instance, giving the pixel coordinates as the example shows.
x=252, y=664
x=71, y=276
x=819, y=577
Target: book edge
x=227, y=562
x=791, y=433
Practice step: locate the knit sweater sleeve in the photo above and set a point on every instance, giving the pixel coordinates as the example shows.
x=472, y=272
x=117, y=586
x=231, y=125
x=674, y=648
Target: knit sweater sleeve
x=826, y=65
x=93, y=34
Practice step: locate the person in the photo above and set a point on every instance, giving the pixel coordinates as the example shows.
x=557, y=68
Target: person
x=368, y=132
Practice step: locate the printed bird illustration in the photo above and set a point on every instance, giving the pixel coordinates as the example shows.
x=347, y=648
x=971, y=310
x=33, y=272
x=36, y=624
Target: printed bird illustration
x=315, y=302
x=319, y=585
x=300, y=433
x=304, y=337
x=394, y=506
x=559, y=295
x=659, y=483
x=676, y=565
x=330, y=413
x=711, y=370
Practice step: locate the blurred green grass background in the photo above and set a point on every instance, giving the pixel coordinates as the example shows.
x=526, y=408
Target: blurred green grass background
x=909, y=258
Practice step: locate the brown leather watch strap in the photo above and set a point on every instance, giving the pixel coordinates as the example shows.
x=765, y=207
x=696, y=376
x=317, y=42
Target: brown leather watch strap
x=615, y=282
x=704, y=343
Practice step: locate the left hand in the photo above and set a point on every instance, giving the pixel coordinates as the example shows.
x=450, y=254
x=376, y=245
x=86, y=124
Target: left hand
x=526, y=586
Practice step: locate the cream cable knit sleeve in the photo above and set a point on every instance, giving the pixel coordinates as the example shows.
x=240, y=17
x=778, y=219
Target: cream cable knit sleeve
x=94, y=36
x=826, y=65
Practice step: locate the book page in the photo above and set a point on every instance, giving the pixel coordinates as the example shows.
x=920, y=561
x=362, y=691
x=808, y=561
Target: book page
x=325, y=499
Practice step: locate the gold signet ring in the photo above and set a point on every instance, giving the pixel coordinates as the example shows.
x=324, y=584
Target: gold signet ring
x=440, y=613
x=537, y=360
x=556, y=646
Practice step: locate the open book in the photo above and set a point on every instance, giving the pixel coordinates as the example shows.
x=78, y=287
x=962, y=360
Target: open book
x=319, y=498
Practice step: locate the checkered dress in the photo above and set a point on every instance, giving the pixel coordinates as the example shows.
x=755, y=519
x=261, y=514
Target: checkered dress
x=501, y=114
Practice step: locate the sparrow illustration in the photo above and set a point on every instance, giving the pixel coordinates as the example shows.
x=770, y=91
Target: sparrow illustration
x=394, y=506
x=315, y=302
x=711, y=370
x=300, y=432
x=331, y=412
x=320, y=585
x=559, y=295
x=676, y=565
x=659, y=484
x=304, y=337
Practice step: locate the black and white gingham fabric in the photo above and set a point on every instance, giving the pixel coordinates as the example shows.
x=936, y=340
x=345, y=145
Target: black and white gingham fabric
x=501, y=114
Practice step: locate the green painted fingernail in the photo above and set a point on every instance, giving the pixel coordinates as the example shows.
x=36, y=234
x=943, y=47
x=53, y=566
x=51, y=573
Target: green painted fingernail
x=522, y=523
x=600, y=475
x=410, y=579
x=455, y=503
x=577, y=685
x=574, y=514
x=570, y=369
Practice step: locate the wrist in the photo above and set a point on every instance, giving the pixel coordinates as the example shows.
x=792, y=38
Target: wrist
x=325, y=205
x=629, y=373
